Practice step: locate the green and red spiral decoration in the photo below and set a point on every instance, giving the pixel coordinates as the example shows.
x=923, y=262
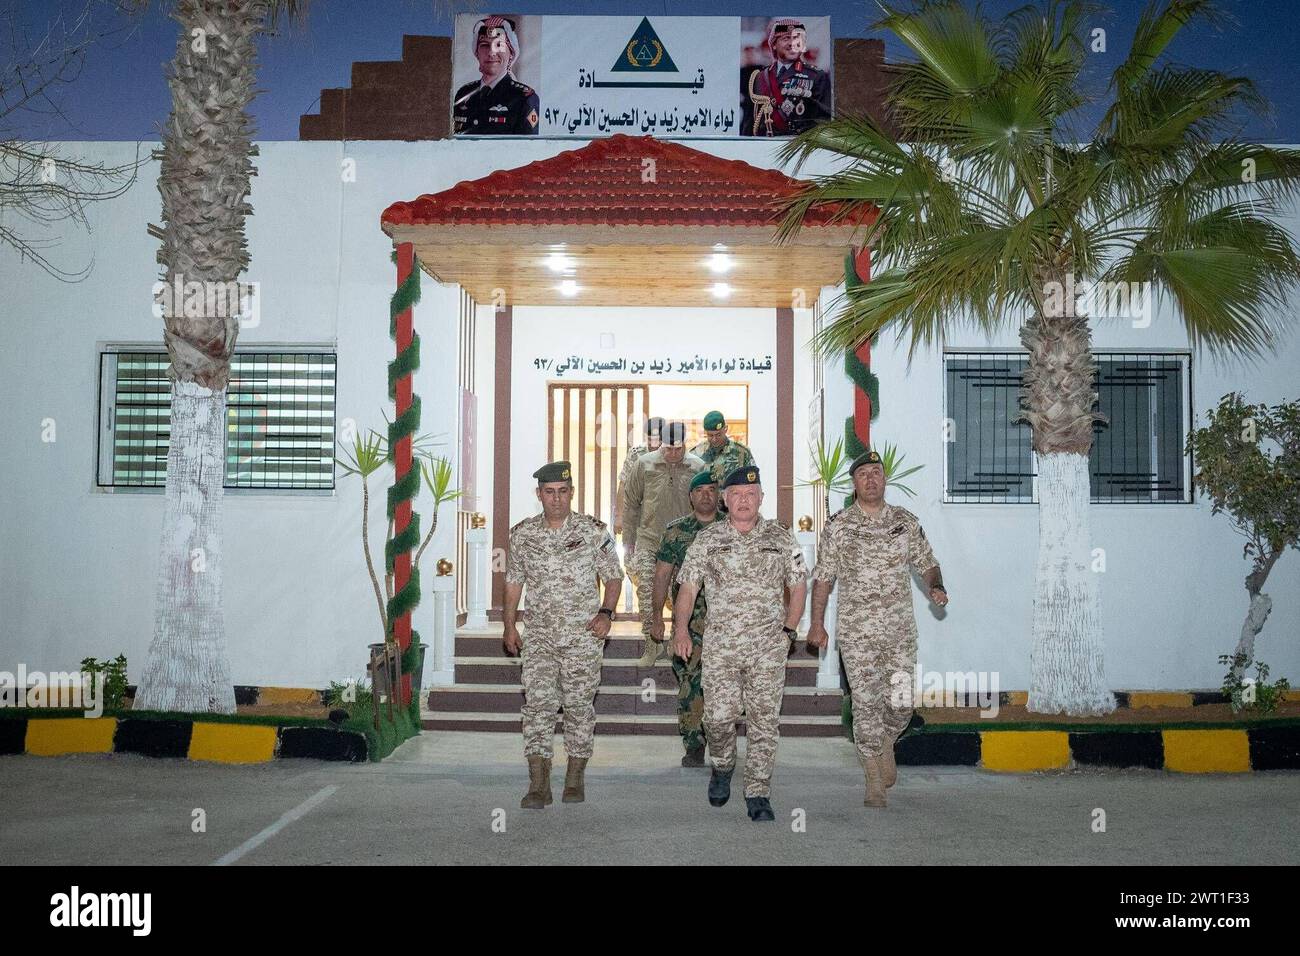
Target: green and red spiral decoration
x=401, y=438
x=857, y=366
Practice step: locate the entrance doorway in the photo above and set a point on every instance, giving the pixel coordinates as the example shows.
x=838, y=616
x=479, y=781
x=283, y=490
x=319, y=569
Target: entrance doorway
x=593, y=426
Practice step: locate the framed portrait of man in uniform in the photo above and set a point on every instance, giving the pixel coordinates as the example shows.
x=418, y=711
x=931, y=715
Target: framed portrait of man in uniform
x=785, y=74
x=494, y=75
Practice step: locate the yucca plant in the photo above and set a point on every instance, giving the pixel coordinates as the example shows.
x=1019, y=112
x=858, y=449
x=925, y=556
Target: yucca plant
x=891, y=457
x=830, y=467
x=992, y=198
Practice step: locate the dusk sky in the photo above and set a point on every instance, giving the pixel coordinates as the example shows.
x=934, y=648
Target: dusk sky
x=121, y=95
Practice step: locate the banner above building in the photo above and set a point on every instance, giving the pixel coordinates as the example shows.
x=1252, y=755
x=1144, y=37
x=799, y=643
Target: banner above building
x=663, y=76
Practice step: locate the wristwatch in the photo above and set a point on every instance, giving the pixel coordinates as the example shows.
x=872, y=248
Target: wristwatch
x=607, y=612
x=790, y=632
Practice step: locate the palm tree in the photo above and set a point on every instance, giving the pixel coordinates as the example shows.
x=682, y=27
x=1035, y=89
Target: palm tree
x=989, y=200
x=204, y=181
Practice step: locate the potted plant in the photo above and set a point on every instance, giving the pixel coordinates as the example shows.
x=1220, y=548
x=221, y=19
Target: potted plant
x=367, y=454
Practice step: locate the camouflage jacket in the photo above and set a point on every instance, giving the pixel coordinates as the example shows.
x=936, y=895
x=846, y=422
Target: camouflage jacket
x=872, y=556
x=724, y=460
x=677, y=538
x=559, y=567
x=744, y=576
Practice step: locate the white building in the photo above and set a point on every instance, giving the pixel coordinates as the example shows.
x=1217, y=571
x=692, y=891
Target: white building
x=80, y=544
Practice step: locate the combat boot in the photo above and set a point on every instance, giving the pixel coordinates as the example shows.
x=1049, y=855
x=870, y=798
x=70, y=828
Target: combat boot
x=539, y=783
x=760, y=809
x=720, y=786
x=888, y=765
x=650, y=654
x=694, y=757
x=575, y=790
x=875, y=771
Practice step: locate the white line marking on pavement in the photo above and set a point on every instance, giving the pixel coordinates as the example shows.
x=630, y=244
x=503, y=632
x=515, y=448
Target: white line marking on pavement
x=297, y=813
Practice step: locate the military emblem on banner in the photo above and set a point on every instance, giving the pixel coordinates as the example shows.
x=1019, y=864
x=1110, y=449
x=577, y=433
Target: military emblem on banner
x=644, y=52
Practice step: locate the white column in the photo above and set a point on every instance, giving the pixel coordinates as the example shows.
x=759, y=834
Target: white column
x=476, y=581
x=808, y=544
x=444, y=631
x=828, y=671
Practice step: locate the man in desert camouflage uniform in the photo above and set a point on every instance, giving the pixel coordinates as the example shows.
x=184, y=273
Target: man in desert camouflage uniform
x=872, y=548
x=720, y=451
x=558, y=556
x=672, y=552
x=657, y=492
x=744, y=565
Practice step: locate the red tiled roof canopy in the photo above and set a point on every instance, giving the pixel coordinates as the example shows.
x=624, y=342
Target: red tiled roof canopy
x=603, y=183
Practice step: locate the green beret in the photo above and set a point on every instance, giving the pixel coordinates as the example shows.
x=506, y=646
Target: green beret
x=866, y=458
x=703, y=478
x=713, y=421
x=744, y=475
x=555, y=471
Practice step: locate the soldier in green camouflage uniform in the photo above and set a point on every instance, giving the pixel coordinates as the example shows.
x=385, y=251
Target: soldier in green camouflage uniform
x=744, y=565
x=672, y=552
x=871, y=548
x=558, y=556
x=722, y=454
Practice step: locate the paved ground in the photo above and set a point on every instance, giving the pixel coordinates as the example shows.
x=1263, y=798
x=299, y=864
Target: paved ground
x=437, y=798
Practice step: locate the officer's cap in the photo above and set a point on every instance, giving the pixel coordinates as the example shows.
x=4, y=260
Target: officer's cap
x=744, y=475
x=703, y=478
x=866, y=458
x=555, y=471
x=713, y=421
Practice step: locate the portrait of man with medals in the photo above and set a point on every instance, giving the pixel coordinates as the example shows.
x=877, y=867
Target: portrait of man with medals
x=788, y=95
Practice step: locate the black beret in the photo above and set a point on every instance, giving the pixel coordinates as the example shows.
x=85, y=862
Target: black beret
x=744, y=475
x=866, y=458
x=555, y=471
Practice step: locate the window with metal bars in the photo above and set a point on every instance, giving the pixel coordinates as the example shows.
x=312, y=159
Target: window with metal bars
x=1137, y=453
x=279, y=421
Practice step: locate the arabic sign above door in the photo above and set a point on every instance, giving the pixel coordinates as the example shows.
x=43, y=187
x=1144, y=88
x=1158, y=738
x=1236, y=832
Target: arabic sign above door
x=660, y=76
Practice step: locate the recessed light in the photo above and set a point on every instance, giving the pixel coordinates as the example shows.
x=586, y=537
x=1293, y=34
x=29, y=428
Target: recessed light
x=721, y=290
x=568, y=288
x=558, y=263
x=720, y=263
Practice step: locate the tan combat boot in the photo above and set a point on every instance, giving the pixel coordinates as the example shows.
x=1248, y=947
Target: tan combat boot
x=539, y=783
x=650, y=654
x=875, y=771
x=574, y=786
x=890, y=768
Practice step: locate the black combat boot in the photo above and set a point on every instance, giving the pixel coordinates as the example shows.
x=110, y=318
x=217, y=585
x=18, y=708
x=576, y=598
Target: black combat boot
x=694, y=757
x=759, y=809
x=719, y=787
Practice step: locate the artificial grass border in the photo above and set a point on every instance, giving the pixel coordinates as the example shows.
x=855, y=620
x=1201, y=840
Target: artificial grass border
x=275, y=720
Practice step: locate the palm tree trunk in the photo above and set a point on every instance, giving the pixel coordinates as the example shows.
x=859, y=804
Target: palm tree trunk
x=1067, y=657
x=204, y=182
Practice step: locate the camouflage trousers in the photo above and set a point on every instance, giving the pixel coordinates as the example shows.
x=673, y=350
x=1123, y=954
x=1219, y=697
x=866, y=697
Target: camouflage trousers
x=743, y=677
x=560, y=671
x=870, y=663
x=642, y=571
x=690, y=696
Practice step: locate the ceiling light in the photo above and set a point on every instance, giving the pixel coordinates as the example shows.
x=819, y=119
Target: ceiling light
x=721, y=290
x=558, y=263
x=720, y=263
x=568, y=288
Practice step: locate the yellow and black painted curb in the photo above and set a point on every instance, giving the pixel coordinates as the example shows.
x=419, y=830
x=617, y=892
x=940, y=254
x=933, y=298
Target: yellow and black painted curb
x=1273, y=745
x=217, y=741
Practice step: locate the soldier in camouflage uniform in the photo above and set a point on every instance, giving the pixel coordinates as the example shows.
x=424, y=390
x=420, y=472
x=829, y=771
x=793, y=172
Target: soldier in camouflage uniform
x=871, y=548
x=721, y=453
x=672, y=552
x=558, y=556
x=657, y=492
x=654, y=430
x=744, y=566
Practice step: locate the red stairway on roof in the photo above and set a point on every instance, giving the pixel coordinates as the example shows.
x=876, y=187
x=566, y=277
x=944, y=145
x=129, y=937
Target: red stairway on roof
x=609, y=182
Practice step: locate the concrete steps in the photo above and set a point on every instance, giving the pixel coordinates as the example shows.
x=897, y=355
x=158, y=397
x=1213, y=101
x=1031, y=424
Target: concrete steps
x=487, y=695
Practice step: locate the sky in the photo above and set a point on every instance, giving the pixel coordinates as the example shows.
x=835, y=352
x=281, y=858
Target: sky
x=120, y=93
